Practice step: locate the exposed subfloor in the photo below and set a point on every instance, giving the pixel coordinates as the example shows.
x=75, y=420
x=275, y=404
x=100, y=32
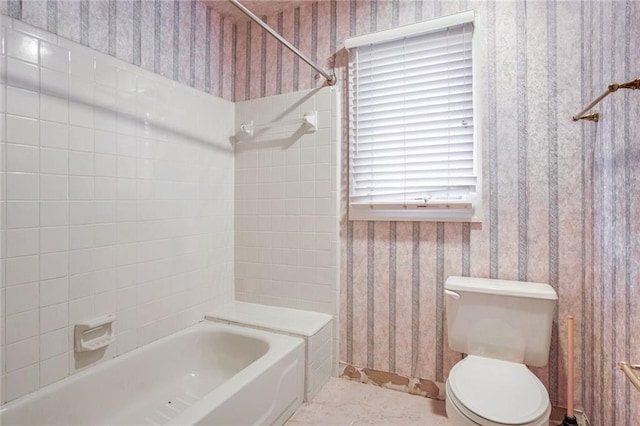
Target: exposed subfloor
x=345, y=402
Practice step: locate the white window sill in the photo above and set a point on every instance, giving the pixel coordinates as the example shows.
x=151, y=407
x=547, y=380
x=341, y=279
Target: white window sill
x=413, y=215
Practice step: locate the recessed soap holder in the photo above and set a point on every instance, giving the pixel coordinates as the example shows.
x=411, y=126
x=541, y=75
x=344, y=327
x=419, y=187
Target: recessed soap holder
x=94, y=334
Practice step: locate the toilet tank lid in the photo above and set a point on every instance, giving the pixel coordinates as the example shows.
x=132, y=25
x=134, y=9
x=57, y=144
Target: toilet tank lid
x=501, y=287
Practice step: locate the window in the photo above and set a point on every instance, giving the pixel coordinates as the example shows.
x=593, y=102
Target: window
x=413, y=151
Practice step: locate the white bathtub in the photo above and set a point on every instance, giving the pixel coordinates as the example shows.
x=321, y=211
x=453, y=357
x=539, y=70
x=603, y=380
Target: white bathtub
x=209, y=374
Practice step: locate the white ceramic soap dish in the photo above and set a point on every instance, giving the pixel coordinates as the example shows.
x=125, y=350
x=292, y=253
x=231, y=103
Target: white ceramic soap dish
x=94, y=334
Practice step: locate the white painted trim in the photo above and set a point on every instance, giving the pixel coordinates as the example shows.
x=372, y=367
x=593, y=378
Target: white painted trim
x=410, y=30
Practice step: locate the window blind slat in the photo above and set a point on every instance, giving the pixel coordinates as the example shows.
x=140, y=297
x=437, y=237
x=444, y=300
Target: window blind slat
x=437, y=79
x=425, y=184
x=408, y=62
x=436, y=98
x=397, y=154
x=417, y=191
x=414, y=115
x=417, y=155
x=418, y=92
x=398, y=161
x=439, y=121
x=443, y=171
x=435, y=137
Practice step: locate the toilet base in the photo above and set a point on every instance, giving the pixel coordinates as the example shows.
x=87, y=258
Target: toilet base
x=454, y=415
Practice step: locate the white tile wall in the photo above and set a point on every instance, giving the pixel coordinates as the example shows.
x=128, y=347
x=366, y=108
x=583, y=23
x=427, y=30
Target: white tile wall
x=318, y=368
x=116, y=196
x=286, y=202
x=286, y=198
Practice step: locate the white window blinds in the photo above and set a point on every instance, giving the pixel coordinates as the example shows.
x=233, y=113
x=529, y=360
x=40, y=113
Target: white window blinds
x=411, y=126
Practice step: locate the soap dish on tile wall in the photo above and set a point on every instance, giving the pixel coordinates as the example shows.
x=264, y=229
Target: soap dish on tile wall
x=94, y=334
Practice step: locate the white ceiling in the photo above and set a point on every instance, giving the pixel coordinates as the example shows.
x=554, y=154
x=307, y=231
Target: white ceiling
x=259, y=7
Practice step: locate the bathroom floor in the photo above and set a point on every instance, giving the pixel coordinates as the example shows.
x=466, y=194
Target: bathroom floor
x=345, y=402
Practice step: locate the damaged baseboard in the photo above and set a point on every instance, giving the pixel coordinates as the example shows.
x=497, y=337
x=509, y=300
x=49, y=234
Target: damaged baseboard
x=413, y=385
x=425, y=387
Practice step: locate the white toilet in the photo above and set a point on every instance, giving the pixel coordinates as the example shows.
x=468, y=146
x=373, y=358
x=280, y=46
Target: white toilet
x=503, y=326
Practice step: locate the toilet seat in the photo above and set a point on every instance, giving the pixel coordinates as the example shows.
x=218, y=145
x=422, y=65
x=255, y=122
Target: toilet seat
x=494, y=392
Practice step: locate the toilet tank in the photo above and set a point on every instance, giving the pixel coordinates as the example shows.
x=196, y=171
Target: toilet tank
x=507, y=320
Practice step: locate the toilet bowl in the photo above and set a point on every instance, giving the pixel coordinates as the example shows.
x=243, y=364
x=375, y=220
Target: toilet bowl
x=490, y=392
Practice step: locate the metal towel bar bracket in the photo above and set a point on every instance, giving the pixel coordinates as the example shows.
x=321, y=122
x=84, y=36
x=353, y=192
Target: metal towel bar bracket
x=628, y=371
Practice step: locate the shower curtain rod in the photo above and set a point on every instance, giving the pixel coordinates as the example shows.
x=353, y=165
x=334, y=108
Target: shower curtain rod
x=331, y=79
x=595, y=116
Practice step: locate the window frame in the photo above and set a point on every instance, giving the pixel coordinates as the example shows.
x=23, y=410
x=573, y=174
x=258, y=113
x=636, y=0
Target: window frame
x=436, y=211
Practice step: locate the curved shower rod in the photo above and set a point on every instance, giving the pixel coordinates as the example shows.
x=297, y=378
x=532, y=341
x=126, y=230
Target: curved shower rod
x=595, y=116
x=331, y=78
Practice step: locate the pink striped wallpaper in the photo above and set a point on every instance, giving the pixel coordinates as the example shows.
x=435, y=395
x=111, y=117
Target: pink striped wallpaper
x=558, y=196
x=613, y=156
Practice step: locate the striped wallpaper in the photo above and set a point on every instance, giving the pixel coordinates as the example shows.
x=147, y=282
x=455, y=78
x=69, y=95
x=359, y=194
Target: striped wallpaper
x=559, y=197
x=179, y=39
x=611, y=302
x=557, y=194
